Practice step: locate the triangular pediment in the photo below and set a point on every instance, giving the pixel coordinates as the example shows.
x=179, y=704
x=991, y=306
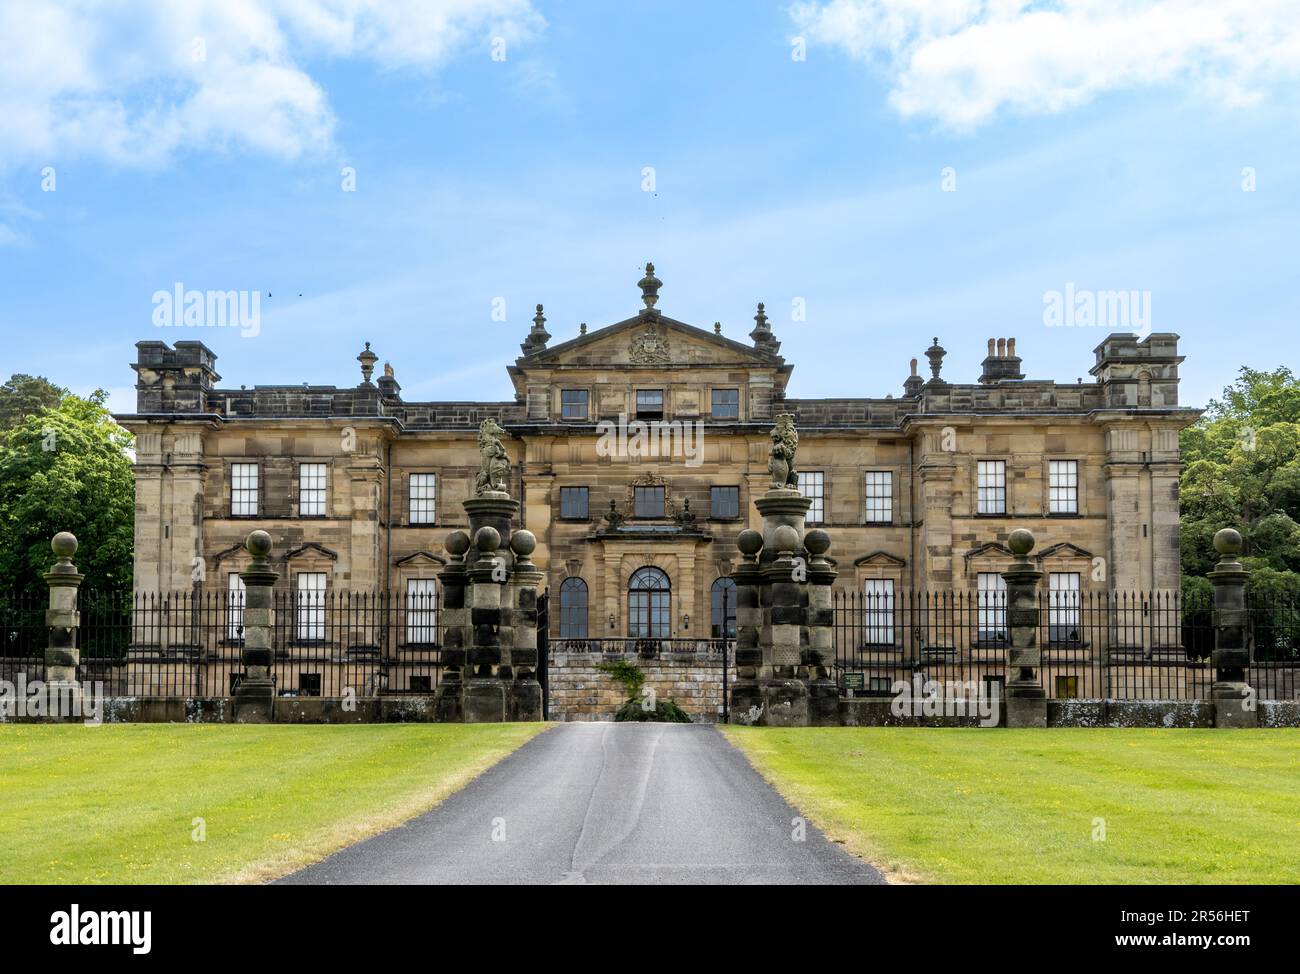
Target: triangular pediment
x=646, y=342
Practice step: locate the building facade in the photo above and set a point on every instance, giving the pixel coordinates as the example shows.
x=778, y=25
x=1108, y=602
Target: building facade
x=636, y=451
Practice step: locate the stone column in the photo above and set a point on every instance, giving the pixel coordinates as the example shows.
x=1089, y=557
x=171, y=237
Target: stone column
x=484, y=696
x=255, y=695
x=1234, y=702
x=819, y=657
x=457, y=634
x=525, y=693
x=1026, y=701
x=746, y=700
x=62, y=654
x=785, y=694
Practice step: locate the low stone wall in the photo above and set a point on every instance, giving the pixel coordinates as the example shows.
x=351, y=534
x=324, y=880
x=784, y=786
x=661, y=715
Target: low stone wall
x=1279, y=713
x=579, y=691
x=1130, y=713
x=288, y=710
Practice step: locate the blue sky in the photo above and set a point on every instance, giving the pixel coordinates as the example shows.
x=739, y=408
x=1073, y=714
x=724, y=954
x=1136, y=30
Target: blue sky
x=1100, y=143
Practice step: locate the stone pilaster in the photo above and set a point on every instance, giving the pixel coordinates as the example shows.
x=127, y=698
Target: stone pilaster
x=62, y=654
x=255, y=695
x=1234, y=703
x=1026, y=700
x=484, y=697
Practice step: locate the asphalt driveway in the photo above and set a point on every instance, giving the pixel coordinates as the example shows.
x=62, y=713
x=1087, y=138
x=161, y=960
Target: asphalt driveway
x=605, y=803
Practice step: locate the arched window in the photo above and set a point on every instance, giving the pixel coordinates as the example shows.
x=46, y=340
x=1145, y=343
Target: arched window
x=573, y=609
x=724, y=609
x=649, y=609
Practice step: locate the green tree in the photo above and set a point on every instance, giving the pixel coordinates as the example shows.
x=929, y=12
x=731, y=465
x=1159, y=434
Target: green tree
x=1242, y=469
x=66, y=468
x=26, y=395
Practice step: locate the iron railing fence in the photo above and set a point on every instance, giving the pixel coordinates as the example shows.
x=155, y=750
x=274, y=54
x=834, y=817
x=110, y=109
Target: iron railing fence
x=643, y=647
x=328, y=644
x=1107, y=645
x=1113, y=645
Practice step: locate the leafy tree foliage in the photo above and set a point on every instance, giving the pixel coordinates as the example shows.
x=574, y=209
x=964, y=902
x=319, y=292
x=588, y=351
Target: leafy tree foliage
x=65, y=467
x=26, y=395
x=1242, y=470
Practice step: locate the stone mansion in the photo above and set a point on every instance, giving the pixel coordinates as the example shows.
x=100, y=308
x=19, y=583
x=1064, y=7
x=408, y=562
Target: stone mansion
x=636, y=451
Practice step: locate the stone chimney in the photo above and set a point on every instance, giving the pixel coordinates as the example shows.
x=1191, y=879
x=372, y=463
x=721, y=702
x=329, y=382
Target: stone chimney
x=174, y=380
x=1001, y=363
x=914, y=384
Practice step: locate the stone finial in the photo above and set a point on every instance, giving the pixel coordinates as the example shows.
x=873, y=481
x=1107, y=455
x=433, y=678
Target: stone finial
x=538, y=336
x=367, y=358
x=523, y=544
x=935, y=354
x=613, y=517
x=258, y=544
x=64, y=546
x=487, y=538
x=388, y=370
x=457, y=544
x=785, y=539
x=649, y=286
x=750, y=543
x=1021, y=542
x=762, y=335
x=817, y=541
x=582, y=328
x=717, y=328
x=1228, y=543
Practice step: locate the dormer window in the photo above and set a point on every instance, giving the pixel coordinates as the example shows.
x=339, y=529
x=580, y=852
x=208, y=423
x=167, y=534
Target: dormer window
x=649, y=404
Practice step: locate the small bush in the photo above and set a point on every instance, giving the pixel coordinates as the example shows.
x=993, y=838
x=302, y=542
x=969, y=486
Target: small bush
x=665, y=712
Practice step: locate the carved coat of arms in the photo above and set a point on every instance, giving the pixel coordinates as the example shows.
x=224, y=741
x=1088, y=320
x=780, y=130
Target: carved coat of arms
x=649, y=348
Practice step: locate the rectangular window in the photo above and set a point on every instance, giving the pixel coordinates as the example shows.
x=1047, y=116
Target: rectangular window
x=1063, y=622
x=992, y=487
x=1067, y=687
x=991, y=608
x=243, y=490
x=421, y=612
x=573, y=403
x=726, y=404
x=648, y=502
x=1063, y=487
x=573, y=503
x=310, y=616
x=813, y=485
x=878, y=612
x=880, y=496
x=420, y=684
x=311, y=490
x=234, y=607
x=309, y=684
x=423, y=489
x=881, y=686
x=650, y=404
x=724, y=502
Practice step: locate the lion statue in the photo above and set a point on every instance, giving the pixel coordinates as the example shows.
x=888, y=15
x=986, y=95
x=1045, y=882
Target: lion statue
x=785, y=441
x=494, y=462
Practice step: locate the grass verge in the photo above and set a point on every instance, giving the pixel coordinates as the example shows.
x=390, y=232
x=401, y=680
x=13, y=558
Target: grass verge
x=128, y=803
x=1057, y=806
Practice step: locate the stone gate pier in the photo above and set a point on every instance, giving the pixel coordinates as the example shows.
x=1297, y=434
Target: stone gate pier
x=784, y=619
x=490, y=591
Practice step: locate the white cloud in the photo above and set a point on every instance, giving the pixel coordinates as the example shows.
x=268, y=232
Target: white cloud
x=963, y=61
x=139, y=81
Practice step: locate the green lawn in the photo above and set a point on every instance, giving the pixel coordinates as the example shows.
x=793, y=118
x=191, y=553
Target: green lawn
x=1018, y=806
x=117, y=803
